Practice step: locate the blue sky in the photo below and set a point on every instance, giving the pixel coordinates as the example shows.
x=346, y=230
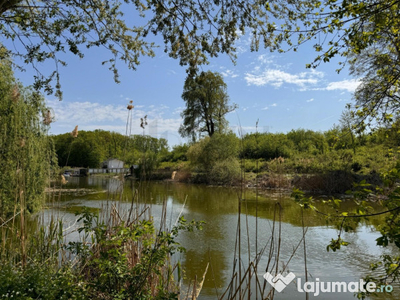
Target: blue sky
x=274, y=88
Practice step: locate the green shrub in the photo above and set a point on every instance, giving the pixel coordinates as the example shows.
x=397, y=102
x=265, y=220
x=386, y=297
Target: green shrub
x=204, y=154
x=40, y=281
x=226, y=172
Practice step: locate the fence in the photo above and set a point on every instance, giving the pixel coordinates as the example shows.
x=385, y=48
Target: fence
x=110, y=170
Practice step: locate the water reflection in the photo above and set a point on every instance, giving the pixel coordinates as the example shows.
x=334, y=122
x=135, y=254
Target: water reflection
x=216, y=243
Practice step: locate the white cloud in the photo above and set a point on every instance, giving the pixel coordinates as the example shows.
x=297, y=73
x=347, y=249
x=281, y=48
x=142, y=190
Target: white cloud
x=229, y=73
x=267, y=107
x=87, y=112
x=93, y=115
x=277, y=78
x=264, y=59
x=347, y=85
x=242, y=43
x=310, y=100
x=178, y=110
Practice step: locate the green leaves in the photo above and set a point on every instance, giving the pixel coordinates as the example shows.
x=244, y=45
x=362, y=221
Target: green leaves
x=26, y=152
x=128, y=261
x=387, y=219
x=206, y=105
x=336, y=244
x=304, y=202
x=365, y=34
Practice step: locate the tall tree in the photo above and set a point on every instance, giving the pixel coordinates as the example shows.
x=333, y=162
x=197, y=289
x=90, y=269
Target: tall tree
x=206, y=105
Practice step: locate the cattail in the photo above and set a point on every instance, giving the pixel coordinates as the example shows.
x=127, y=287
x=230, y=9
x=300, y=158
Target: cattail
x=74, y=132
x=47, y=117
x=15, y=94
x=63, y=180
x=143, y=121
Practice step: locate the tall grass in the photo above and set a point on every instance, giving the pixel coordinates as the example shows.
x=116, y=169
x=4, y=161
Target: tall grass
x=120, y=254
x=246, y=281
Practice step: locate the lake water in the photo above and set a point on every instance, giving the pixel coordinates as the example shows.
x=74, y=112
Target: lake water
x=216, y=243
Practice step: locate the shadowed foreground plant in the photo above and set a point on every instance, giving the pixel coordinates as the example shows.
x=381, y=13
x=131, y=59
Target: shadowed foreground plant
x=130, y=259
x=388, y=217
x=117, y=258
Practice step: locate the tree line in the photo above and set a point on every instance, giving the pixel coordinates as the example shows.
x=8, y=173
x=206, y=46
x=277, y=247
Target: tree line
x=91, y=148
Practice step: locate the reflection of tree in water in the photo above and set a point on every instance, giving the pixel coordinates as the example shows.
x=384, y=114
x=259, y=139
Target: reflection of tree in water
x=211, y=202
x=218, y=207
x=195, y=262
x=111, y=185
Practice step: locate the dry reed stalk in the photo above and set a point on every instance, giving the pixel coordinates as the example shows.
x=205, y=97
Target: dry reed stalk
x=200, y=285
x=63, y=180
x=240, y=286
x=22, y=233
x=305, y=252
x=74, y=132
x=15, y=94
x=22, y=143
x=47, y=117
x=194, y=288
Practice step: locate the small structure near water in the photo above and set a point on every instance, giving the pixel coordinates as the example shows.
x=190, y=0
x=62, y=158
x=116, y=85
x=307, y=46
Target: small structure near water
x=112, y=163
x=79, y=172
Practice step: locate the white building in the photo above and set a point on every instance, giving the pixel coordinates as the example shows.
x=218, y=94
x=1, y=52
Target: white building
x=112, y=163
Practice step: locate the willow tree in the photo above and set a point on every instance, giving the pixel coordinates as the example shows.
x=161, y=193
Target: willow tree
x=206, y=100
x=25, y=149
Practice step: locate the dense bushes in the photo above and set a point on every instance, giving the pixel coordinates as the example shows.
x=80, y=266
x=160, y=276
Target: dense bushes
x=216, y=157
x=266, y=146
x=225, y=172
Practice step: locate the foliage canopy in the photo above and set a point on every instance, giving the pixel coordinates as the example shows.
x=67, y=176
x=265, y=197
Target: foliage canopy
x=191, y=30
x=364, y=33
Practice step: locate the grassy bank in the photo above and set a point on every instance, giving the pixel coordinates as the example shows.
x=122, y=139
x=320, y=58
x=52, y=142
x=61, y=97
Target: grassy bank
x=328, y=173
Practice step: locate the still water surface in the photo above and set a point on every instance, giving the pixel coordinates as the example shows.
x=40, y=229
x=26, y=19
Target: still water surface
x=215, y=244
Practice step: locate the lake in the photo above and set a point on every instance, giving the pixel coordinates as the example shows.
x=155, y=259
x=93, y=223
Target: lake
x=259, y=233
